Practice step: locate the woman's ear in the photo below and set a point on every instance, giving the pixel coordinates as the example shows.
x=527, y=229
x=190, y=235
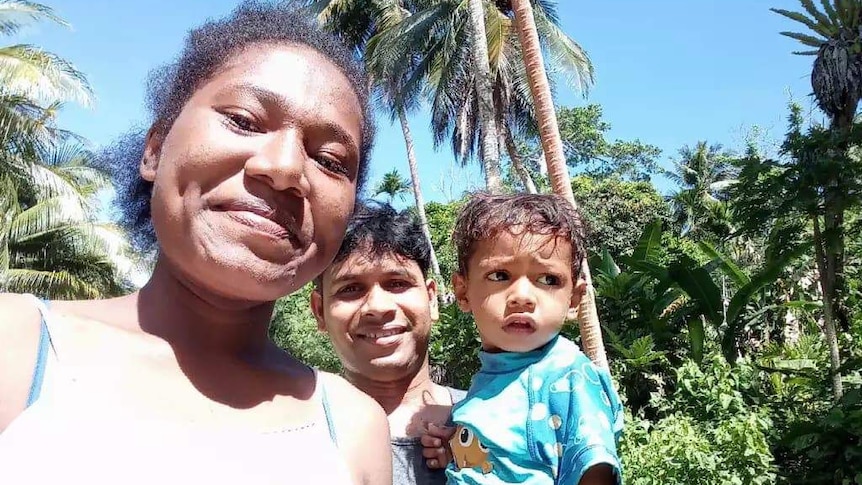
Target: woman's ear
x=150, y=158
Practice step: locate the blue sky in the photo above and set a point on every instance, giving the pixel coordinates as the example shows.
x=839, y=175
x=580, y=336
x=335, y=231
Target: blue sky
x=669, y=73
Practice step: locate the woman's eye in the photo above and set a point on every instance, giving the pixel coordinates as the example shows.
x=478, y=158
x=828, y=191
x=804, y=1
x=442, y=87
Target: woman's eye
x=549, y=280
x=331, y=164
x=243, y=123
x=498, y=276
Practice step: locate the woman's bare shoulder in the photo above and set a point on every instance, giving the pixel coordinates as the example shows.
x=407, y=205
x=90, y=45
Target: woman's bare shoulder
x=362, y=429
x=19, y=344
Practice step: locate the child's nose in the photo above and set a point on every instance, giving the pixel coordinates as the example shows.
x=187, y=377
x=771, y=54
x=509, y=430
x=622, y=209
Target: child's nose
x=521, y=295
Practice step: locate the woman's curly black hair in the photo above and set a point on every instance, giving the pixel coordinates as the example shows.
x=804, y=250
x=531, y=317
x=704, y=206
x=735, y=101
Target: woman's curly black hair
x=206, y=50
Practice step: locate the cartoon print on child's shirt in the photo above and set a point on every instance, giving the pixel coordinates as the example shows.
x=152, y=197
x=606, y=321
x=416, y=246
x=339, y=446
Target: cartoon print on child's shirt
x=468, y=452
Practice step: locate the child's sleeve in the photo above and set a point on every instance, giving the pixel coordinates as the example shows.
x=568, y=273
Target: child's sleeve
x=592, y=424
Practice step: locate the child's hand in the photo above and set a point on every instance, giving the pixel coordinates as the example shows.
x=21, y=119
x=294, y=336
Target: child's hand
x=435, y=444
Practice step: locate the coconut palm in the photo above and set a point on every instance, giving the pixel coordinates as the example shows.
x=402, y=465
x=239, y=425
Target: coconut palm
x=358, y=22
x=30, y=71
x=393, y=185
x=50, y=242
x=703, y=173
x=440, y=35
x=540, y=89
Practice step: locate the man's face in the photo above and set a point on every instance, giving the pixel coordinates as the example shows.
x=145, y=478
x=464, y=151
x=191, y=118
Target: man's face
x=378, y=313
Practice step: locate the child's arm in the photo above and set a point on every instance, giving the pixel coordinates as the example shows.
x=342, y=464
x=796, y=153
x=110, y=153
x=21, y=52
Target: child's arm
x=588, y=428
x=598, y=475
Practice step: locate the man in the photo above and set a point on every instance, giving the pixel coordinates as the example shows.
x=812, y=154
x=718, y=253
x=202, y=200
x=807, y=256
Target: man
x=377, y=304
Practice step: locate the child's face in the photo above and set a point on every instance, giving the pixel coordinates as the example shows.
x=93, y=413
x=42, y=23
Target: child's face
x=519, y=289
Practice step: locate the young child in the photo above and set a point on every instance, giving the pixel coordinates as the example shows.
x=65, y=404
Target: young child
x=538, y=411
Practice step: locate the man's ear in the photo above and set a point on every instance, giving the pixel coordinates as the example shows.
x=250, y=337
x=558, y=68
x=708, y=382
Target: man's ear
x=577, y=294
x=459, y=285
x=431, y=287
x=317, y=309
x=152, y=151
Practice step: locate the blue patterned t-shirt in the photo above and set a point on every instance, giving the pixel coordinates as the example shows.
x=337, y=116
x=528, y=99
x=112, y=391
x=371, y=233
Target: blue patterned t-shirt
x=544, y=416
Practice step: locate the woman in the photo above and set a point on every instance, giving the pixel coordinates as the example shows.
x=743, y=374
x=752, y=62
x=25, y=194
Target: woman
x=260, y=137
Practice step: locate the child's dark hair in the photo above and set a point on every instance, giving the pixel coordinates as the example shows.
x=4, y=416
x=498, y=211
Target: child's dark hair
x=377, y=230
x=486, y=215
x=207, y=48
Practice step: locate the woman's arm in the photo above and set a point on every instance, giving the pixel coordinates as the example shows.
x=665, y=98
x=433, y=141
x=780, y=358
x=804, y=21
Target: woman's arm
x=19, y=345
x=362, y=430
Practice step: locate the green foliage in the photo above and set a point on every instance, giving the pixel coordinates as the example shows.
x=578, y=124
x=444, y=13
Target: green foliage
x=441, y=222
x=827, y=448
x=616, y=211
x=393, y=185
x=583, y=132
x=707, y=432
x=454, y=347
x=294, y=329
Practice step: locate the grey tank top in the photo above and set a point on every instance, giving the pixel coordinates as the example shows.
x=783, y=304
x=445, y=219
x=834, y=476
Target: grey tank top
x=408, y=464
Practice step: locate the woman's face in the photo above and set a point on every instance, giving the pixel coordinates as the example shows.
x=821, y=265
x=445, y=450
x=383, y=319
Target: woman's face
x=255, y=180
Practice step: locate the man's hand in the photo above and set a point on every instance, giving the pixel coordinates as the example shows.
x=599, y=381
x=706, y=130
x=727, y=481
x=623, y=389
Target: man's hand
x=435, y=444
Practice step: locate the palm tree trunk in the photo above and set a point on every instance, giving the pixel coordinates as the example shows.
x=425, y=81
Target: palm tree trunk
x=552, y=145
x=417, y=191
x=828, y=310
x=517, y=161
x=484, y=86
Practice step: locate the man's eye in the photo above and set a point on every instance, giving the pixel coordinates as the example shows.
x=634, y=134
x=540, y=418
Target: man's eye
x=331, y=164
x=498, y=276
x=242, y=123
x=398, y=285
x=348, y=290
x=549, y=280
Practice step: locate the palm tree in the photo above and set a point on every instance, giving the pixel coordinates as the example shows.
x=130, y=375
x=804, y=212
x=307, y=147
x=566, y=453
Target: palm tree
x=362, y=24
x=484, y=81
x=50, y=243
x=588, y=318
x=703, y=173
x=836, y=76
x=836, y=79
x=29, y=71
x=393, y=185
x=441, y=36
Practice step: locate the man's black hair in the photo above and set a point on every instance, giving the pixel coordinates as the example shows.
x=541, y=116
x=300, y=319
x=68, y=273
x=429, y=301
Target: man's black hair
x=377, y=230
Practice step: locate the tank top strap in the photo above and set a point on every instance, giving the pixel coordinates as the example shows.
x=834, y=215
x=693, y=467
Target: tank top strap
x=330, y=425
x=46, y=347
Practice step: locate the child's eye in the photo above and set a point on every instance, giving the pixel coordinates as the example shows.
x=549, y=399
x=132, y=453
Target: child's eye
x=498, y=276
x=549, y=280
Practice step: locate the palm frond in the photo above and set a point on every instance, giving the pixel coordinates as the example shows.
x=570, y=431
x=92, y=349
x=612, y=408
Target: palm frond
x=44, y=217
x=29, y=71
x=808, y=40
x=15, y=14
x=801, y=18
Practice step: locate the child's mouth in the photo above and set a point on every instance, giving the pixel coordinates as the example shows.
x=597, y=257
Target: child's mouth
x=523, y=327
